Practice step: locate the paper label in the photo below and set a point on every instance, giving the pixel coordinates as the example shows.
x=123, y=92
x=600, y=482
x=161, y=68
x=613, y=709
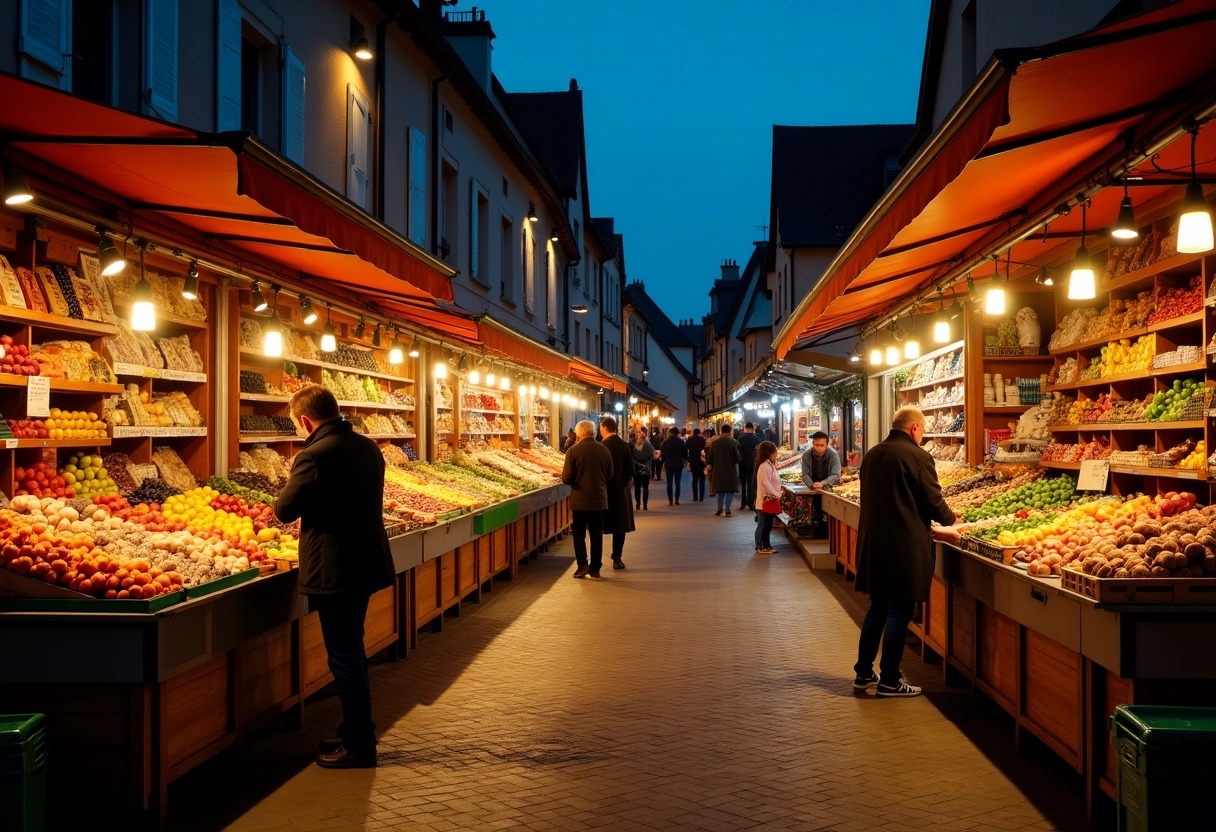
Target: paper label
x=1094, y=475
x=38, y=396
x=10, y=443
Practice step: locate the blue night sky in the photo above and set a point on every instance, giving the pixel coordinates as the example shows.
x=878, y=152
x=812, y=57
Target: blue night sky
x=679, y=102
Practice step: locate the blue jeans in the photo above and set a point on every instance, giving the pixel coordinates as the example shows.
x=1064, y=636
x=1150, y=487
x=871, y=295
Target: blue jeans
x=698, y=482
x=726, y=496
x=886, y=620
x=674, y=478
x=764, y=527
x=342, y=619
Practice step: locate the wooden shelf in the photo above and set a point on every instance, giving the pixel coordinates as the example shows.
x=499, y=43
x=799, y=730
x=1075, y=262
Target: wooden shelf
x=946, y=406
x=249, y=352
x=1198, y=424
x=1161, y=266
x=1012, y=358
x=1172, y=473
x=144, y=431
x=1178, y=369
x=1008, y=408
x=945, y=380
x=62, y=385
x=485, y=410
x=1174, y=323
x=266, y=397
x=1082, y=346
x=389, y=436
x=134, y=370
x=46, y=320
x=494, y=433
x=165, y=317
x=1063, y=466
x=268, y=439
x=56, y=443
x=944, y=435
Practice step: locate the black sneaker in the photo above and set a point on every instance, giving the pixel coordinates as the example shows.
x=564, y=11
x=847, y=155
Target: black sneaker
x=865, y=682
x=718, y=513
x=595, y=576
x=677, y=502
x=617, y=563
x=582, y=572
x=728, y=514
x=902, y=689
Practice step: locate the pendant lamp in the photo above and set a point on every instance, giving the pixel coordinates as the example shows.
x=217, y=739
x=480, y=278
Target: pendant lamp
x=143, y=312
x=328, y=342
x=941, y=324
x=1081, y=284
x=396, y=353
x=994, y=298
x=1124, y=230
x=912, y=345
x=1195, y=224
x=876, y=355
x=272, y=340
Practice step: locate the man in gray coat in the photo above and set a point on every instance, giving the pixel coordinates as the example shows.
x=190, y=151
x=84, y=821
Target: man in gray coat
x=900, y=499
x=587, y=470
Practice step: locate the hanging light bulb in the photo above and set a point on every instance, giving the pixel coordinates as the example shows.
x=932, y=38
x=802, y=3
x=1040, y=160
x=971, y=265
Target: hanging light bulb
x=582, y=404
x=441, y=369
x=505, y=383
x=258, y=299
x=143, y=312
x=1044, y=277
x=941, y=324
x=190, y=288
x=16, y=189
x=361, y=328
x=414, y=347
x=376, y=336
x=475, y=375
x=491, y=377
x=396, y=353
x=272, y=339
x=892, y=355
x=1124, y=230
x=912, y=345
x=329, y=343
x=544, y=392
x=994, y=298
x=876, y=355
x=1081, y=284
x=618, y=407
x=1195, y=224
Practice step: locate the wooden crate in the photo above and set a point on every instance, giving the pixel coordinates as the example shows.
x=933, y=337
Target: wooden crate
x=936, y=616
x=448, y=595
x=1140, y=590
x=314, y=661
x=267, y=675
x=426, y=592
x=196, y=715
x=500, y=551
x=521, y=539
x=466, y=569
x=380, y=625
x=996, y=670
x=1053, y=705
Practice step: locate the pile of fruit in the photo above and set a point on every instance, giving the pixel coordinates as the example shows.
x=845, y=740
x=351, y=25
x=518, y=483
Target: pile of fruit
x=74, y=424
x=29, y=429
x=42, y=480
x=15, y=359
x=1175, y=303
x=1122, y=357
x=1162, y=537
x=1065, y=373
x=1167, y=405
x=481, y=401
x=1089, y=324
x=88, y=476
x=1196, y=459
x=1036, y=495
x=1099, y=448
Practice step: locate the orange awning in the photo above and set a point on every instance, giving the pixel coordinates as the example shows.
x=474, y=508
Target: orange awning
x=522, y=351
x=227, y=189
x=1036, y=120
x=593, y=375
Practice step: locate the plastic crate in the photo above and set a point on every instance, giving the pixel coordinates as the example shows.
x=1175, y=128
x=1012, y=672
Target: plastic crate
x=1166, y=762
x=23, y=773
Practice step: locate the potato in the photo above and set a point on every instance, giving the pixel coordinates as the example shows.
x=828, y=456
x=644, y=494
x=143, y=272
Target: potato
x=1195, y=551
x=1141, y=571
x=1104, y=571
x=1180, y=561
x=1135, y=538
x=1121, y=573
x=1164, y=560
x=1160, y=572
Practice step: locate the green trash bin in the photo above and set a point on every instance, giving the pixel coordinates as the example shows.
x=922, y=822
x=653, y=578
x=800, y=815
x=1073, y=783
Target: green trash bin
x=23, y=772
x=1166, y=765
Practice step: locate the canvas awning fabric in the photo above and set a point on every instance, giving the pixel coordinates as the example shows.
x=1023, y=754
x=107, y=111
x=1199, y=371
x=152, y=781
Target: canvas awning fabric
x=228, y=190
x=498, y=339
x=590, y=374
x=1035, y=120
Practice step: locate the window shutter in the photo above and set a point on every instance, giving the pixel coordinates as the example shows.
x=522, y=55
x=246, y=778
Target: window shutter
x=293, y=106
x=160, y=57
x=474, y=254
x=45, y=36
x=551, y=272
x=228, y=67
x=358, y=188
x=529, y=272
x=417, y=186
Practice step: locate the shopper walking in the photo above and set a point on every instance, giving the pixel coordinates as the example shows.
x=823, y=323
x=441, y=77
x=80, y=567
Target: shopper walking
x=674, y=454
x=900, y=499
x=656, y=442
x=748, y=441
x=767, y=491
x=336, y=491
x=722, y=458
x=569, y=441
x=643, y=454
x=711, y=433
x=696, y=464
x=618, y=521
x=587, y=470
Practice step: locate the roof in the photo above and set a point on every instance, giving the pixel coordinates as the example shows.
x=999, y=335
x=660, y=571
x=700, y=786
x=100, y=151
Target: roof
x=661, y=327
x=553, y=125
x=754, y=298
x=605, y=227
x=826, y=179
x=694, y=332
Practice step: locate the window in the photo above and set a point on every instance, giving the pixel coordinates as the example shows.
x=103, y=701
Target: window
x=447, y=119
x=45, y=41
x=358, y=148
x=578, y=329
x=587, y=291
x=506, y=280
x=479, y=232
x=293, y=106
x=448, y=210
x=588, y=352
x=551, y=286
x=528, y=253
x=417, y=187
x=596, y=355
x=251, y=87
x=504, y=187
x=93, y=58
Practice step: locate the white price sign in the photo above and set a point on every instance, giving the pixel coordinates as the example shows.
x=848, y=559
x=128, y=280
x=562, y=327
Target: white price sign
x=38, y=396
x=1094, y=475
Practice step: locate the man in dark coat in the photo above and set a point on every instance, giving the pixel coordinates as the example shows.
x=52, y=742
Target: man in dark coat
x=618, y=520
x=336, y=490
x=722, y=458
x=900, y=499
x=674, y=454
x=696, y=464
x=748, y=441
x=656, y=440
x=587, y=470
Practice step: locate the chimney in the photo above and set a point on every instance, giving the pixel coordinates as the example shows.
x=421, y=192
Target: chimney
x=470, y=35
x=730, y=270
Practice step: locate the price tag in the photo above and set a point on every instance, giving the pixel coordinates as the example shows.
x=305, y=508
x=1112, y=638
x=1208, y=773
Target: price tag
x=38, y=396
x=175, y=375
x=1188, y=475
x=1094, y=475
x=10, y=443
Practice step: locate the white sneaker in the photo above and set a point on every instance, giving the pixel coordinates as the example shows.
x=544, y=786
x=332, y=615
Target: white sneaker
x=902, y=689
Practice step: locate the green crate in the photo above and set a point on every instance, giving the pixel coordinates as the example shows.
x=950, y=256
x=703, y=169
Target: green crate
x=23, y=772
x=221, y=583
x=86, y=604
x=1166, y=764
x=495, y=517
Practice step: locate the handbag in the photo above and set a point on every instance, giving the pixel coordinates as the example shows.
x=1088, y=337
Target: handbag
x=771, y=505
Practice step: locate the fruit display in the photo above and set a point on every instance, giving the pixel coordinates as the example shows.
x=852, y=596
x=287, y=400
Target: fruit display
x=543, y=457
x=152, y=490
x=1196, y=459
x=445, y=422
x=393, y=454
x=74, y=424
x=1065, y=373
x=1099, y=448
x=945, y=450
x=267, y=462
x=1040, y=494
x=42, y=480
x=87, y=475
x=172, y=469
x=514, y=467
x=254, y=481
x=29, y=429
x=358, y=359
x=15, y=358
x=1167, y=405
x=1124, y=356
x=931, y=369
x=1086, y=325
x=1161, y=537
x=482, y=478
x=74, y=360
x=348, y=387
x=481, y=401
x=231, y=488
x=1176, y=303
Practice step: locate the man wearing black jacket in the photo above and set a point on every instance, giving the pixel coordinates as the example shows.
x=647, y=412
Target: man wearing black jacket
x=618, y=521
x=749, y=440
x=674, y=454
x=696, y=464
x=336, y=490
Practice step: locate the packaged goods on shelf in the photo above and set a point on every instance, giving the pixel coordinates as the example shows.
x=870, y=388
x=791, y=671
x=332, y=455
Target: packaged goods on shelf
x=1086, y=324
x=172, y=469
x=393, y=454
x=166, y=292
x=56, y=303
x=443, y=394
x=267, y=462
x=31, y=290
x=251, y=333
x=179, y=355
x=10, y=286
x=300, y=343
x=119, y=467
x=253, y=382
x=1099, y=448
x=1177, y=303
x=1138, y=458
x=355, y=358
x=445, y=422
x=73, y=360
x=1173, y=358
x=63, y=279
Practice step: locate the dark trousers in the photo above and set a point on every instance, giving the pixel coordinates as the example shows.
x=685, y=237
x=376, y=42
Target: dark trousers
x=885, y=620
x=342, y=619
x=764, y=528
x=584, y=522
x=656, y=469
x=747, y=484
x=618, y=545
x=641, y=489
x=674, y=478
x=698, y=482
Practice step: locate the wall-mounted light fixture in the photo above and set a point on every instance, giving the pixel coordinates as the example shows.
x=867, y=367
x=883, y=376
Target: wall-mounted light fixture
x=532, y=215
x=112, y=262
x=16, y=189
x=190, y=287
x=361, y=49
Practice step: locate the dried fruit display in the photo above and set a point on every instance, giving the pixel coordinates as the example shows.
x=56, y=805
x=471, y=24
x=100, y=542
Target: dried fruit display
x=172, y=469
x=1176, y=303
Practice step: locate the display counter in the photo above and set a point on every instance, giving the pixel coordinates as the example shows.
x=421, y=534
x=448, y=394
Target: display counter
x=147, y=697
x=798, y=504
x=1056, y=661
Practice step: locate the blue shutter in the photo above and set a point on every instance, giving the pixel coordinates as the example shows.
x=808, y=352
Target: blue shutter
x=228, y=67
x=417, y=186
x=293, y=106
x=160, y=58
x=474, y=254
x=46, y=37
x=358, y=134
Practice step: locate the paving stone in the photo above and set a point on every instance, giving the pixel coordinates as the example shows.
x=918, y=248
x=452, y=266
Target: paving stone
x=701, y=688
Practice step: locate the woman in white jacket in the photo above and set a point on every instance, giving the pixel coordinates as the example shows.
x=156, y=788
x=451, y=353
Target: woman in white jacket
x=768, y=487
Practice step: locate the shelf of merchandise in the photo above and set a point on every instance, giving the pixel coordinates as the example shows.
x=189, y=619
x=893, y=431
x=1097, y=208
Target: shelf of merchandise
x=9, y=444
x=266, y=397
x=136, y=371
x=1161, y=372
x=1020, y=359
x=487, y=433
x=1008, y=408
x=150, y=432
x=947, y=406
x=45, y=320
x=1176, y=323
x=245, y=438
x=1170, y=473
x=62, y=385
x=487, y=410
x=945, y=380
x=958, y=435
x=257, y=355
x=1197, y=424
x=1098, y=343
x=163, y=318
